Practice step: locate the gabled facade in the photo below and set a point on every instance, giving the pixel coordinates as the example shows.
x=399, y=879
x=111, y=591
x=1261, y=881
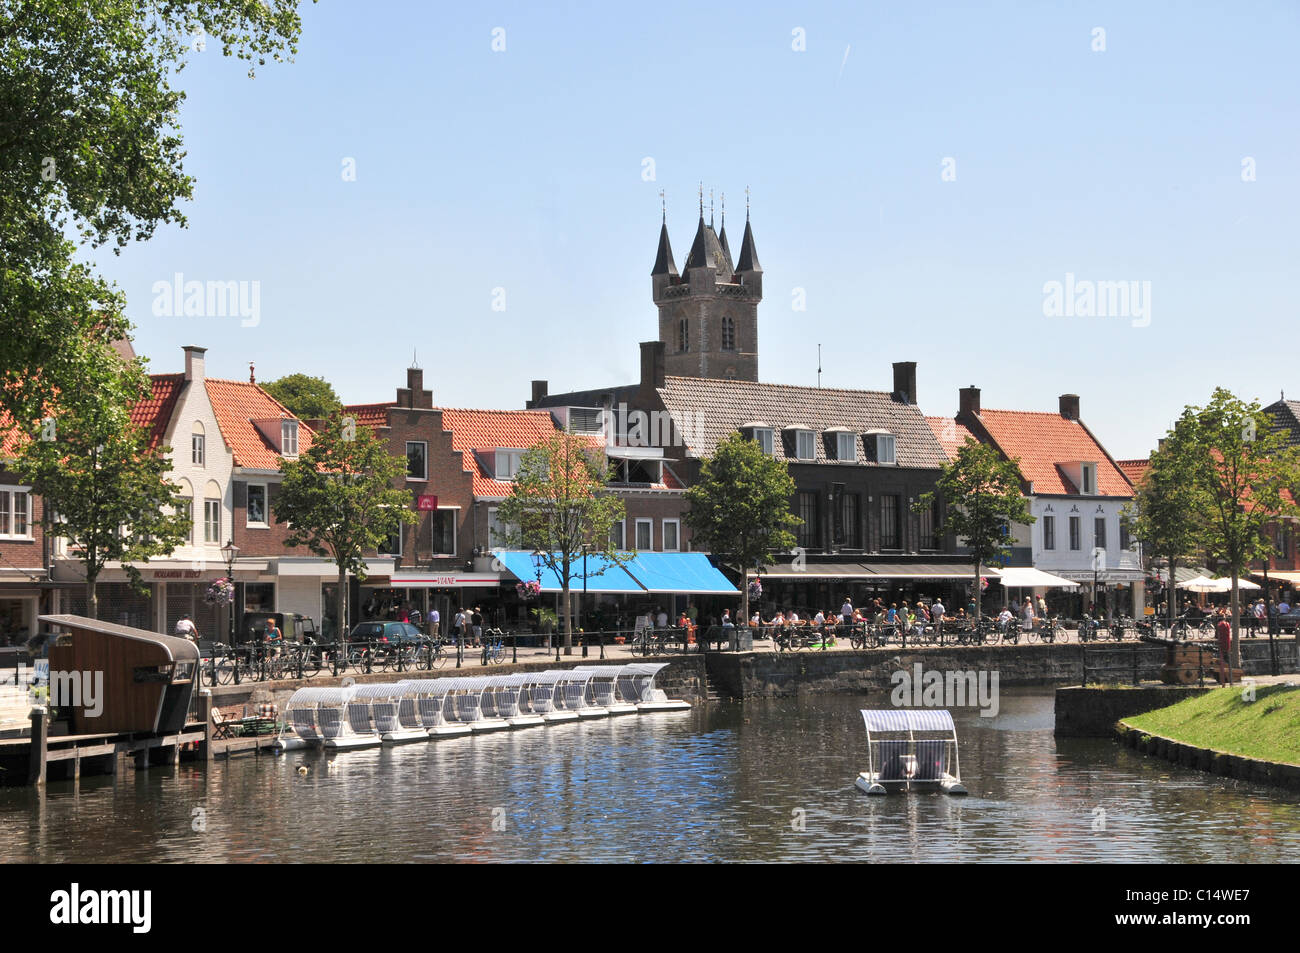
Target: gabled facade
x=1076, y=492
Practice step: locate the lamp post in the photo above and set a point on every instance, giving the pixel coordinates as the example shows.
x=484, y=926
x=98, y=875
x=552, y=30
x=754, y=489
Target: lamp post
x=538, y=559
x=582, y=610
x=230, y=551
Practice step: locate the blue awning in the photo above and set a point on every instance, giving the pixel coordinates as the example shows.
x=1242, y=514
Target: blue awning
x=644, y=573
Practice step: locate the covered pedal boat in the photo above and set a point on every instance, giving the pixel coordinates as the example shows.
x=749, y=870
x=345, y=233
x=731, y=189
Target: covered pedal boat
x=910, y=749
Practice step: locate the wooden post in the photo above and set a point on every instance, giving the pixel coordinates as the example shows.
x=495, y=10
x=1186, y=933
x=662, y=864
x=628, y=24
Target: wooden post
x=40, y=745
x=205, y=712
x=142, y=759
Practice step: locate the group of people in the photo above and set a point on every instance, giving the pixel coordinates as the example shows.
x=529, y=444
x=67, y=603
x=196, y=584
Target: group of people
x=911, y=618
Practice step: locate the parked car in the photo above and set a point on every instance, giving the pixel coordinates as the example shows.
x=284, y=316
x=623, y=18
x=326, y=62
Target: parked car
x=391, y=632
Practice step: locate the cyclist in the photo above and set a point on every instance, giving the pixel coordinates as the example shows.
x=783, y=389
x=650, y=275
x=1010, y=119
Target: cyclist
x=186, y=629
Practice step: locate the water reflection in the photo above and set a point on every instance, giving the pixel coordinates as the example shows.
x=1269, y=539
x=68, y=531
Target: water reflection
x=730, y=783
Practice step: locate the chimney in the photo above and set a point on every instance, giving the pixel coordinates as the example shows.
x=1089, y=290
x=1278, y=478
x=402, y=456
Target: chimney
x=969, y=401
x=1070, y=406
x=413, y=395
x=905, y=381
x=652, y=364
x=540, y=390
x=252, y=377
x=194, y=363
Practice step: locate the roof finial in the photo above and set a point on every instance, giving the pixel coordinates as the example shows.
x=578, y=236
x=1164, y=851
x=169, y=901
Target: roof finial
x=747, y=203
x=663, y=204
x=701, y=200
x=415, y=364
x=252, y=378
x=710, y=208
x=723, y=203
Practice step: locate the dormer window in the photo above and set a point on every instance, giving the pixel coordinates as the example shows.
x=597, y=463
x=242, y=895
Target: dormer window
x=289, y=438
x=880, y=443
x=804, y=447
x=507, y=463
x=846, y=447
x=762, y=434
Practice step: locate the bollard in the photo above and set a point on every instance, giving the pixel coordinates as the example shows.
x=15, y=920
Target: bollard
x=602, y=643
x=40, y=735
x=514, y=647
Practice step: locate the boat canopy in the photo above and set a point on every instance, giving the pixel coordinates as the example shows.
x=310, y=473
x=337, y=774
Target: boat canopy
x=908, y=721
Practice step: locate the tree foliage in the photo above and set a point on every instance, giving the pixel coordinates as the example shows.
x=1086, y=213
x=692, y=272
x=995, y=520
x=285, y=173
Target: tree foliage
x=99, y=478
x=306, y=397
x=560, y=504
x=90, y=146
x=984, y=500
x=740, y=508
x=340, y=500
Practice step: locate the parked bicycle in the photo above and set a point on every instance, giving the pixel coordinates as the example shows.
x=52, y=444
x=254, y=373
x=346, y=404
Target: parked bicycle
x=494, y=647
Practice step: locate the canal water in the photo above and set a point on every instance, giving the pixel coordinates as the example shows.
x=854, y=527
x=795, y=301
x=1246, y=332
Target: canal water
x=764, y=781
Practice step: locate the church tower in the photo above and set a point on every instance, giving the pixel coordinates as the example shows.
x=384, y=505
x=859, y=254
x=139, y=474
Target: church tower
x=708, y=316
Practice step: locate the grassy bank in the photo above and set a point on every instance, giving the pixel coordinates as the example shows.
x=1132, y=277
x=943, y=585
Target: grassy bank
x=1267, y=728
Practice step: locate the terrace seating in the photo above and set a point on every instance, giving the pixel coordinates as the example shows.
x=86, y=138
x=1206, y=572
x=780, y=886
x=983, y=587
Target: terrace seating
x=931, y=760
x=893, y=760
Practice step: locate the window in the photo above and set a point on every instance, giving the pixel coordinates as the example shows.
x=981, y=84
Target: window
x=672, y=536
x=852, y=524
x=289, y=438
x=884, y=448
x=728, y=334
x=1049, y=532
x=616, y=536
x=803, y=445
x=417, y=460
x=807, y=533
x=644, y=534
x=1124, y=539
x=443, y=530
x=498, y=532
x=930, y=526
x=196, y=450
x=1074, y=533
x=507, y=464
x=1089, y=475
x=257, y=504
x=846, y=447
x=683, y=335
x=890, y=538
x=15, y=513
x=392, y=546
x=764, y=438
x=1099, y=532
x=212, y=521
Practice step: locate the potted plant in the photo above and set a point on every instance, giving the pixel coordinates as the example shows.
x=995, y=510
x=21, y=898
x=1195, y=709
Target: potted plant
x=546, y=620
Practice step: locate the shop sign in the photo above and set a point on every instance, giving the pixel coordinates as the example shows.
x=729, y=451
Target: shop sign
x=425, y=502
x=177, y=574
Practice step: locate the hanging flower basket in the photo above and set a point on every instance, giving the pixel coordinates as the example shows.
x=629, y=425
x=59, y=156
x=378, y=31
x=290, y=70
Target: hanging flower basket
x=528, y=590
x=221, y=592
x=756, y=590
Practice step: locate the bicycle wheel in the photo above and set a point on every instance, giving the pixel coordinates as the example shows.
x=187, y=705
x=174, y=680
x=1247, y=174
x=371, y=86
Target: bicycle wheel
x=311, y=663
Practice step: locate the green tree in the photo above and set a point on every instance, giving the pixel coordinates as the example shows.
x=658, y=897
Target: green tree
x=560, y=505
x=1244, y=472
x=1166, y=511
x=984, y=500
x=740, y=509
x=306, y=397
x=104, y=489
x=340, y=501
x=90, y=146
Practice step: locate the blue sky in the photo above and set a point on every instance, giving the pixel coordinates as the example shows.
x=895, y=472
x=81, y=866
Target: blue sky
x=523, y=170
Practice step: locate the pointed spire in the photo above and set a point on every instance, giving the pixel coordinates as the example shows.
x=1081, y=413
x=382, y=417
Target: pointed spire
x=710, y=208
x=722, y=237
x=700, y=255
x=748, y=253
x=664, y=264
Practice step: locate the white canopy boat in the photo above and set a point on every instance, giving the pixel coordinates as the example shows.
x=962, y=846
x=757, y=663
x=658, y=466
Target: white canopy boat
x=641, y=676
x=301, y=728
x=511, y=698
x=612, y=688
x=546, y=696
x=433, y=700
x=382, y=703
x=910, y=749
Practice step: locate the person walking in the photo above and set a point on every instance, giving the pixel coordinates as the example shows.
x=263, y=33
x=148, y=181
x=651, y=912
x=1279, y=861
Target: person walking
x=1027, y=616
x=936, y=613
x=476, y=621
x=435, y=620
x=846, y=611
x=1223, y=636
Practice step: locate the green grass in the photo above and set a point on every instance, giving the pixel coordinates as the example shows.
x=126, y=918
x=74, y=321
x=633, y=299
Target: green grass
x=1266, y=728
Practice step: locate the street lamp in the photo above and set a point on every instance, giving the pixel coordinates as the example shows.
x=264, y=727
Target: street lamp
x=538, y=559
x=230, y=551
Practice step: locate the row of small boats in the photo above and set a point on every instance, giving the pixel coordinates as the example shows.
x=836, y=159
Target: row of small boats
x=361, y=716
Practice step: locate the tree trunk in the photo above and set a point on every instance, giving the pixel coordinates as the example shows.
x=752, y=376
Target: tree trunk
x=92, y=600
x=979, y=595
x=1234, y=656
x=342, y=608
x=1172, y=595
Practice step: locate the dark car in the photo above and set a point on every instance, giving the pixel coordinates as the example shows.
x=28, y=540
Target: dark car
x=396, y=633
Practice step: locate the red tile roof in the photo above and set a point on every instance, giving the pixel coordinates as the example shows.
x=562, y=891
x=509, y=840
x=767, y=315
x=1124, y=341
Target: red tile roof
x=236, y=405
x=154, y=412
x=490, y=430
x=950, y=434
x=1134, y=469
x=1043, y=442
x=370, y=415
x=11, y=438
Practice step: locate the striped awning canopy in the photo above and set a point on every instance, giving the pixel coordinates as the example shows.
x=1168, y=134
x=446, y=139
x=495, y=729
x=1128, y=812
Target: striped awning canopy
x=908, y=720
